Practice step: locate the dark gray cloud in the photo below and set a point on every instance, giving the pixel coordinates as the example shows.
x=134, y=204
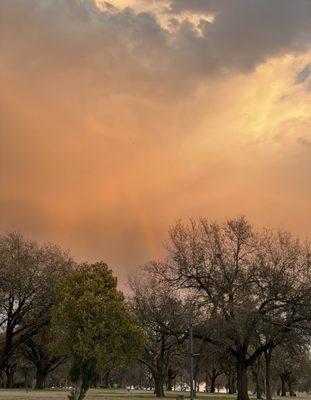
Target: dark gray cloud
x=135, y=49
x=246, y=32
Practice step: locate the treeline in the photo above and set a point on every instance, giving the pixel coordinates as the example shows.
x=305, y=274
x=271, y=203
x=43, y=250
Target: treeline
x=247, y=295
x=59, y=315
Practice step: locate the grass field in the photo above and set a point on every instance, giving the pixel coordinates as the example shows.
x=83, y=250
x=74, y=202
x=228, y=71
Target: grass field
x=97, y=394
x=100, y=394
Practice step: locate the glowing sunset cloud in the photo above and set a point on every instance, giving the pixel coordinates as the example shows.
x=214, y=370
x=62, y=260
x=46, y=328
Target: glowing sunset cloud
x=119, y=119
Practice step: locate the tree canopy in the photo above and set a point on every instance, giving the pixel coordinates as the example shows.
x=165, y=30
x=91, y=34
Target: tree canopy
x=29, y=273
x=93, y=324
x=245, y=293
x=248, y=283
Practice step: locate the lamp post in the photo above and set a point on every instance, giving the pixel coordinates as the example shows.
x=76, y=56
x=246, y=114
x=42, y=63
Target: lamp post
x=191, y=355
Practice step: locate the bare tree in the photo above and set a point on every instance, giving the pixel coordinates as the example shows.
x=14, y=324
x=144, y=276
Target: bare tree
x=28, y=276
x=247, y=282
x=290, y=362
x=162, y=315
x=208, y=364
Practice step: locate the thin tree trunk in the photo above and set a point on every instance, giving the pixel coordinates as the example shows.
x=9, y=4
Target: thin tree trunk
x=78, y=388
x=283, y=386
x=230, y=382
x=170, y=377
x=268, y=355
x=106, y=379
x=258, y=388
x=256, y=372
x=213, y=377
x=231, y=388
x=169, y=385
x=290, y=388
x=195, y=389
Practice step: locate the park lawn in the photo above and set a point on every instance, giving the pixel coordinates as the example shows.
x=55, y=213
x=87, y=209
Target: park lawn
x=104, y=394
x=97, y=394
x=146, y=395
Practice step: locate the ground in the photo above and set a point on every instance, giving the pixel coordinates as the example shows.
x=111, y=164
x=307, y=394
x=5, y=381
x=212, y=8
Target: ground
x=97, y=394
x=100, y=394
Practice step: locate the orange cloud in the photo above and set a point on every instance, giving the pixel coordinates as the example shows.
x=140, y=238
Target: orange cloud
x=113, y=127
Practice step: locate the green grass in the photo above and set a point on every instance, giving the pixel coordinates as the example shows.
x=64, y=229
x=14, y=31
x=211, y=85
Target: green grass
x=100, y=394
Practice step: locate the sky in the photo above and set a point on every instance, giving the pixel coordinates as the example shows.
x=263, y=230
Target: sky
x=119, y=118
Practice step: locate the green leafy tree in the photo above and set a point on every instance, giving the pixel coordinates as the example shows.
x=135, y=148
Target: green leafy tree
x=93, y=324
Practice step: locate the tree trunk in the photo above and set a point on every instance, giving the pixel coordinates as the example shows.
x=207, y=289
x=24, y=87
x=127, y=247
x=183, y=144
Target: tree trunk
x=194, y=388
x=283, y=387
x=170, y=377
x=9, y=372
x=268, y=355
x=258, y=388
x=41, y=374
x=234, y=386
x=78, y=388
x=256, y=372
x=158, y=386
x=258, y=392
x=106, y=380
x=242, y=385
x=9, y=379
x=231, y=389
x=290, y=388
x=213, y=383
x=230, y=382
